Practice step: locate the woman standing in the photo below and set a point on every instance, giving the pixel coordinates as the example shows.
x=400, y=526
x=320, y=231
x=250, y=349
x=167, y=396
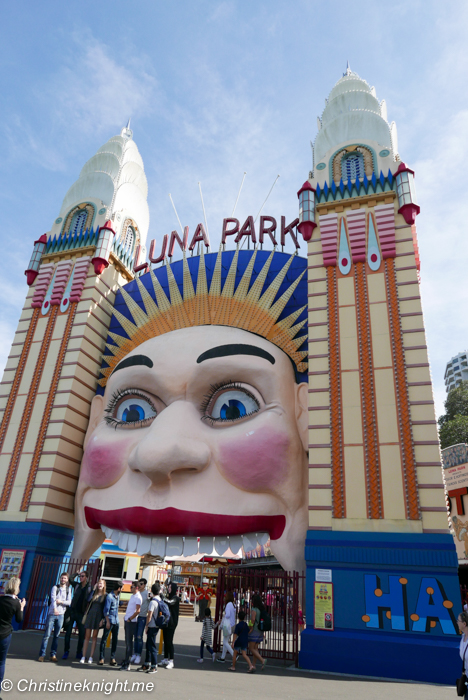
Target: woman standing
x=228, y=624
x=94, y=617
x=9, y=606
x=463, y=629
x=173, y=602
x=60, y=601
x=255, y=634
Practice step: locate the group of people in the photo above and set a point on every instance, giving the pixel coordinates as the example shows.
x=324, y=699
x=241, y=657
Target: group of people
x=246, y=636
x=91, y=608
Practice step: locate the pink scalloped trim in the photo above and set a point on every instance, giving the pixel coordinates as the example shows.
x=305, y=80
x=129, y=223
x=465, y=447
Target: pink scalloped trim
x=79, y=278
x=61, y=278
x=42, y=284
x=357, y=234
x=329, y=236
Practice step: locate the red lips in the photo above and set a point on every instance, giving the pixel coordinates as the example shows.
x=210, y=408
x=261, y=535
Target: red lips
x=171, y=521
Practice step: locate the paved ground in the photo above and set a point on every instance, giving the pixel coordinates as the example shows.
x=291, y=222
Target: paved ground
x=192, y=681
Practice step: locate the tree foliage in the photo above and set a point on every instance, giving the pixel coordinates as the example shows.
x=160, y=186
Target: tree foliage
x=453, y=425
x=453, y=432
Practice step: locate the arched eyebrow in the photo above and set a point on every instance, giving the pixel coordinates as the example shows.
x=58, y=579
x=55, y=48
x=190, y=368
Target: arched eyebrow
x=235, y=349
x=133, y=361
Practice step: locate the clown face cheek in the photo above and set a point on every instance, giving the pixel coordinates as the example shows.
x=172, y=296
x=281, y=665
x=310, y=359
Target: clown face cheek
x=256, y=461
x=103, y=464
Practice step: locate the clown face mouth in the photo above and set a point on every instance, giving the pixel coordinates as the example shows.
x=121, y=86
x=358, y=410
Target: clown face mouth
x=173, y=532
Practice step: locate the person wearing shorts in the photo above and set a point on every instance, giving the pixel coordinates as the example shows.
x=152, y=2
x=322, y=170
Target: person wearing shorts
x=241, y=642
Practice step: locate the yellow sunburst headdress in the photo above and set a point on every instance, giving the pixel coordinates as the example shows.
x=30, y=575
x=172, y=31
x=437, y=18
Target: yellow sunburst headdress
x=243, y=307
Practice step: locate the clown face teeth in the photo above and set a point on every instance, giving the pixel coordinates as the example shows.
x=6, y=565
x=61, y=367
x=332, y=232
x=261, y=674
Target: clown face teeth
x=235, y=543
x=221, y=545
x=108, y=532
x=250, y=542
x=205, y=546
x=132, y=542
x=144, y=545
x=190, y=546
x=158, y=546
x=174, y=546
x=123, y=541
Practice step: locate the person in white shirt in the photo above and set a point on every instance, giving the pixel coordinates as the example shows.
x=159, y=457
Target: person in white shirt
x=228, y=624
x=60, y=600
x=130, y=623
x=141, y=621
x=151, y=629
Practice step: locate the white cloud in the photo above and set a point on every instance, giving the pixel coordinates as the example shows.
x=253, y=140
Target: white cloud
x=443, y=246
x=93, y=91
x=219, y=133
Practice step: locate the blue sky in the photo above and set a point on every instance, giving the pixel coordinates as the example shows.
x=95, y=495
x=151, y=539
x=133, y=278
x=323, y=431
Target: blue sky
x=218, y=88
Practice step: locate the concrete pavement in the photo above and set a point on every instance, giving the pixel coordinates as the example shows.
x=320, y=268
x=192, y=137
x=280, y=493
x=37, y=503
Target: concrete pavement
x=190, y=680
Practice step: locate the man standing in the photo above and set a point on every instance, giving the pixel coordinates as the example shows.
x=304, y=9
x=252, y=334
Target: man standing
x=77, y=610
x=130, y=622
x=141, y=621
x=204, y=599
x=111, y=613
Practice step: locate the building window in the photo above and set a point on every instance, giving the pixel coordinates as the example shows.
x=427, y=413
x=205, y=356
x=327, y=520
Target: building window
x=79, y=219
x=352, y=166
x=129, y=237
x=78, y=222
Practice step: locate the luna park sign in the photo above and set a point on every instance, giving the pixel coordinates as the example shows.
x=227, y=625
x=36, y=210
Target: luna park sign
x=266, y=230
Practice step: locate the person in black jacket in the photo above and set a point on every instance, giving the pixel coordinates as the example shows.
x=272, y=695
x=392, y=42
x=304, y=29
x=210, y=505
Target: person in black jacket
x=9, y=606
x=172, y=600
x=77, y=610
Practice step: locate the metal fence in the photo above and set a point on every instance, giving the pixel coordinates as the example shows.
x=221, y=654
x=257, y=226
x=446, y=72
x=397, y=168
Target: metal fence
x=46, y=573
x=282, y=593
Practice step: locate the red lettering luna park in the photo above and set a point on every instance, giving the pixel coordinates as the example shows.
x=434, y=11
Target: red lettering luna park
x=232, y=230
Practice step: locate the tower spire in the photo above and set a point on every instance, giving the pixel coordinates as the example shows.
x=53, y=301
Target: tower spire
x=126, y=131
x=348, y=70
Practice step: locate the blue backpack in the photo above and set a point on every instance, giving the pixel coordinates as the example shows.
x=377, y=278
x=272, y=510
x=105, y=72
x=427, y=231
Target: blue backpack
x=163, y=614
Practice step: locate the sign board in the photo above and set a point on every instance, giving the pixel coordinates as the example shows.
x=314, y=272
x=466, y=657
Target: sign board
x=323, y=606
x=454, y=455
x=323, y=575
x=11, y=564
x=456, y=477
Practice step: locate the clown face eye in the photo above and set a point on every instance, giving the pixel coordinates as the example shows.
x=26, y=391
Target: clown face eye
x=230, y=404
x=135, y=411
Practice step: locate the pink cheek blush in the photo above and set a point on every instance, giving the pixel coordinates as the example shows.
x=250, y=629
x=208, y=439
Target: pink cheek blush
x=102, y=465
x=257, y=462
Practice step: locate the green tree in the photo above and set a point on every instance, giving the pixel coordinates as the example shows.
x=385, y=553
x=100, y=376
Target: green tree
x=454, y=431
x=453, y=425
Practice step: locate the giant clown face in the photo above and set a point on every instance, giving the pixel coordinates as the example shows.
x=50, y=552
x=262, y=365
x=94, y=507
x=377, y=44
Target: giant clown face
x=201, y=433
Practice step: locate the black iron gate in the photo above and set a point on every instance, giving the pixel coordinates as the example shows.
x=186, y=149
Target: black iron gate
x=46, y=573
x=282, y=593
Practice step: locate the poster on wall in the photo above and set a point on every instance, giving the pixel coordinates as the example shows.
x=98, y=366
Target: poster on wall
x=323, y=606
x=11, y=564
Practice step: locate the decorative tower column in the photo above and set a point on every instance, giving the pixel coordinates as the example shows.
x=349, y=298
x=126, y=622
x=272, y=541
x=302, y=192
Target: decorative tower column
x=51, y=373
x=377, y=514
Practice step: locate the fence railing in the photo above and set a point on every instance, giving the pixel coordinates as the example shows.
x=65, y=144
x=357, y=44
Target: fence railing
x=282, y=593
x=46, y=573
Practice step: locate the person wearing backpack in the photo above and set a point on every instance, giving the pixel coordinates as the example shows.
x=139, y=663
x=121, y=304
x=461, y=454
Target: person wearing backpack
x=172, y=600
x=256, y=634
x=60, y=600
x=152, y=628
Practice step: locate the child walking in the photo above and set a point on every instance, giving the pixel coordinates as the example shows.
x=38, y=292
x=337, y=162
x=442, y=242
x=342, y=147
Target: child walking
x=207, y=635
x=241, y=642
